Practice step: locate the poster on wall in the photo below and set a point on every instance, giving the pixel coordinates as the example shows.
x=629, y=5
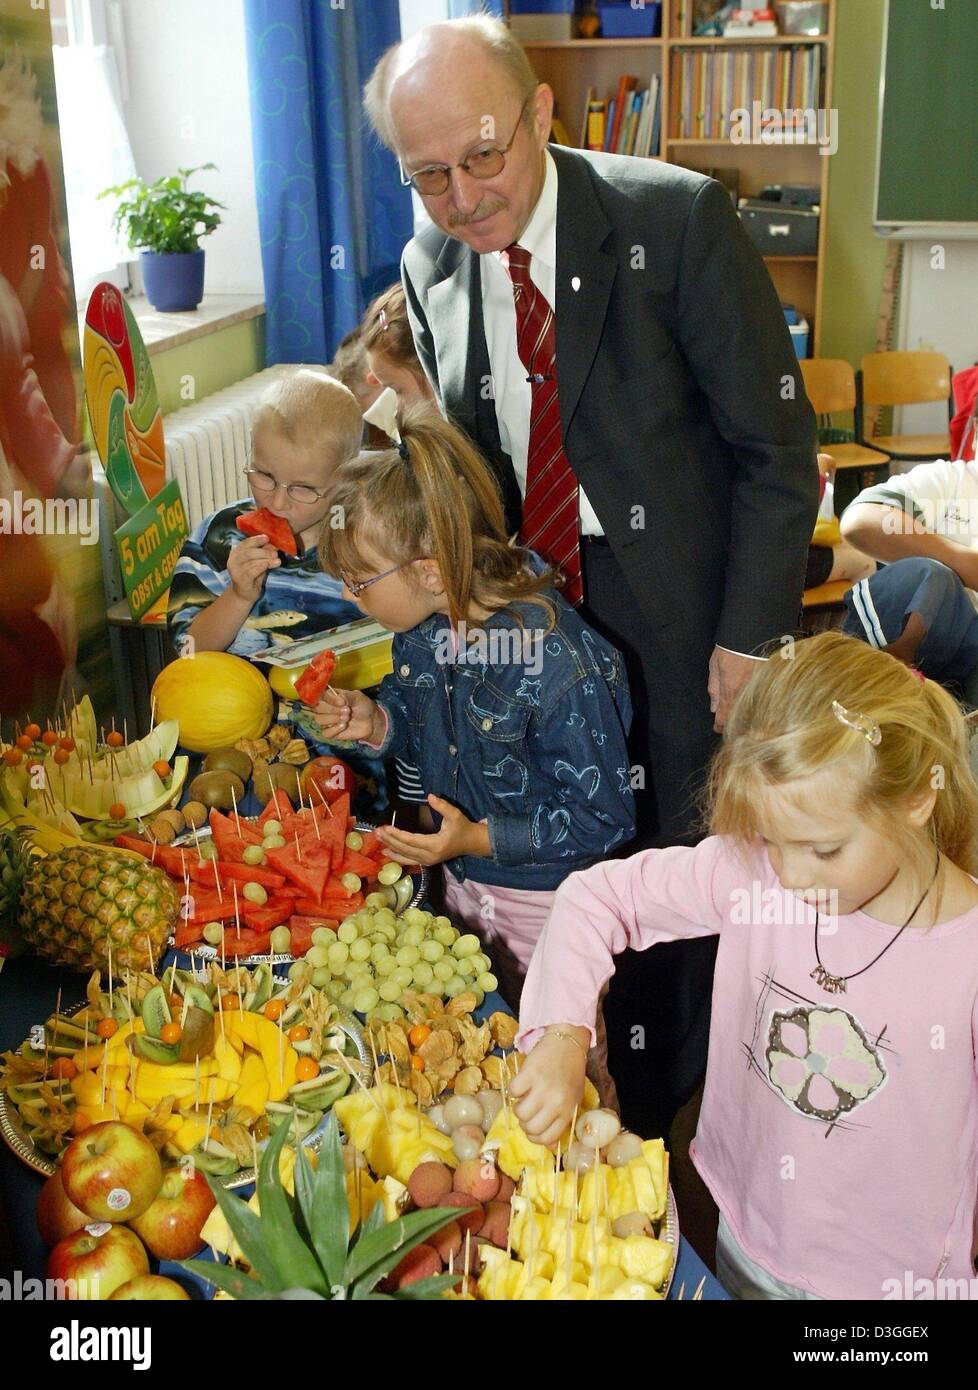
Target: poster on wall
x=53, y=638
x=124, y=410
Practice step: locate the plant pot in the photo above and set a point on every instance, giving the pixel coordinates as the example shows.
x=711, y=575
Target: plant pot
x=174, y=280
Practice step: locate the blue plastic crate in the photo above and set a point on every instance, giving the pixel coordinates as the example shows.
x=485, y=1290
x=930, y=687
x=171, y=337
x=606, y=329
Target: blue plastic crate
x=623, y=22
x=541, y=6
x=790, y=314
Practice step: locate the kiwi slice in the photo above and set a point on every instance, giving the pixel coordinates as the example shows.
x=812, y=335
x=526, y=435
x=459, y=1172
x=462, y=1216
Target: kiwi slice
x=156, y=1011
x=154, y=1050
x=197, y=1038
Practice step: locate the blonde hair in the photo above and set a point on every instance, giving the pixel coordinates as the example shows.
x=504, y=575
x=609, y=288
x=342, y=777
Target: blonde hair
x=782, y=728
x=440, y=502
x=314, y=411
x=386, y=330
x=484, y=31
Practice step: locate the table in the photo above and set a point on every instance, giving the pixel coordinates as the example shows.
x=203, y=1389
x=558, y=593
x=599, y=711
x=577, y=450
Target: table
x=28, y=992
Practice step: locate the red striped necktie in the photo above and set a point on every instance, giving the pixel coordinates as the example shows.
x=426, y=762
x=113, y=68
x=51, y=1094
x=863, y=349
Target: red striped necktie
x=551, y=507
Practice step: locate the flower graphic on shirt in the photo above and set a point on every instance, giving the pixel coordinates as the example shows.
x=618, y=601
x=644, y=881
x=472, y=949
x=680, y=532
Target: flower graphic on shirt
x=821, y=1061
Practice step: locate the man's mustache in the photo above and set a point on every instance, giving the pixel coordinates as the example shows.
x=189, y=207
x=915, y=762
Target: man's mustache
x=486, y=208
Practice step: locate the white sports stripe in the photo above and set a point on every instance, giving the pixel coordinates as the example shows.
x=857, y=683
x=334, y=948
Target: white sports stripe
x=862, y=602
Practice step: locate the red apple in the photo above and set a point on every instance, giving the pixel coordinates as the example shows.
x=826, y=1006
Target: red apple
x=111, y=1171
x=330, y=776
x=97, y=1259
x=57, y=1215
x=170, y=1227
x=151, y=1288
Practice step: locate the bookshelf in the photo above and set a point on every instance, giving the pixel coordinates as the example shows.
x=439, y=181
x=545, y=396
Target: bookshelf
x=573, y=66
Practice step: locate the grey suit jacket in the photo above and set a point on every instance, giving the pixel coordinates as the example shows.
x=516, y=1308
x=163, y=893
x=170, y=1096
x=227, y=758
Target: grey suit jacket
x=684, y=413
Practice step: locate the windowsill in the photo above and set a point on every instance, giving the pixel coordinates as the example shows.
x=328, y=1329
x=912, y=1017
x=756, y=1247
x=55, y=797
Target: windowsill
x=164, y=331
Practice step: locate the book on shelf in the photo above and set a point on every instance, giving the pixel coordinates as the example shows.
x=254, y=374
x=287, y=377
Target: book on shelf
x=709, y=85
x=595, y=124
x=559, y=134
x=591, y=93
x=629, y=122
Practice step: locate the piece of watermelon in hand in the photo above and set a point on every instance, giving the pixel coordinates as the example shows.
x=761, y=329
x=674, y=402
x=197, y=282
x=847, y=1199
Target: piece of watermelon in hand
x=265, y=523
x=315, y=678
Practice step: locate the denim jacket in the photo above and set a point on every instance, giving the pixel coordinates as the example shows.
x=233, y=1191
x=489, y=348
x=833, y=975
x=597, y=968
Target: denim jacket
x=526, y=730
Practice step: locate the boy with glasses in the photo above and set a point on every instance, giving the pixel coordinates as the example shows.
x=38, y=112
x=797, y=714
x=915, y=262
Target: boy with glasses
x=237, y=593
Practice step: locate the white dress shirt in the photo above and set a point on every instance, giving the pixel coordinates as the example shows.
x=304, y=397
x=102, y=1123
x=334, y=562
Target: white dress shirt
x=511, y=390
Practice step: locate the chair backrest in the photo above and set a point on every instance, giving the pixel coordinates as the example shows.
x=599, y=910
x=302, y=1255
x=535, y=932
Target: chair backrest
x=830, y=383
x=905, y=378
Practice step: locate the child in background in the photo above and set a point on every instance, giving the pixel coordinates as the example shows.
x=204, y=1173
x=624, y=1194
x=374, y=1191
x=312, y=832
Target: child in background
x=839, y=1126
x=236, y=593
x=512, y=708
x=830, y=558
x=386, y=337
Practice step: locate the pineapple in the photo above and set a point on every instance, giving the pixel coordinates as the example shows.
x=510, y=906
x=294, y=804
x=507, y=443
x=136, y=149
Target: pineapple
x=13, y=862
x=301, y=1248
x=79, y=904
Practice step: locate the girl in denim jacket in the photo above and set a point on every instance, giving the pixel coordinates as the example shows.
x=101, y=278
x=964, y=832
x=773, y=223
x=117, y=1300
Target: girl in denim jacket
x=515, y=711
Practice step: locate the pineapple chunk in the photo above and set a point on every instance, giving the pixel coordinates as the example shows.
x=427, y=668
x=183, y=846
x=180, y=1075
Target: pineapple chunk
x=635, y=1290
x=190, y=1133
x=515, y=1150
x=640, y=1257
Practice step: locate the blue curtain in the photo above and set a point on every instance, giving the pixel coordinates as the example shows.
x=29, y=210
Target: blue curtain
x=332, y=214
x=461, y=9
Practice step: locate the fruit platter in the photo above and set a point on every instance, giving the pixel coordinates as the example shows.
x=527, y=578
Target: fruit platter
x=205, y=1065
x=510, y=1221
x=262, y=887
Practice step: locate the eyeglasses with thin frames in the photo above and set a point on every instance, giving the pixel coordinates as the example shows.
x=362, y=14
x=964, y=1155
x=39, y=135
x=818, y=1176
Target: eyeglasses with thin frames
x=483, y=163
x=356, y=587
x=263, y=482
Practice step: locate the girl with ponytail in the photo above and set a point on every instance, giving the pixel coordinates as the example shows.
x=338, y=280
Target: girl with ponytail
x=514, y=710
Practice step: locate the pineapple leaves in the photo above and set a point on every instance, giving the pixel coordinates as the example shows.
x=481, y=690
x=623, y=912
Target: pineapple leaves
x=427, y=1288
x=294, y=1263
x=239, y=1286
x=247, y=1227
x=377, y=1252
x=321, y=1198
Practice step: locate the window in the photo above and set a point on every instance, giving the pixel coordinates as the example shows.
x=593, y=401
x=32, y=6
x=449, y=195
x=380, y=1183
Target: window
x=89, y=67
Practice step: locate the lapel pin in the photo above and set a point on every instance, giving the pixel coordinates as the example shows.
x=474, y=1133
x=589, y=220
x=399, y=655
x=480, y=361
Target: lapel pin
x=576, y=282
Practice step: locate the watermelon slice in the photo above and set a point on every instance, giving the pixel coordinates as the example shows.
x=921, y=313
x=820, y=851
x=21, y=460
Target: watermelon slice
x=247, y=942
x=302, y=929
x=305, y=874
x=188, y=934
x=265, y=523
x=263, y=919
x=330, y=907
x=229, y=839
x=278, y=807
x=242, y=873
x=315, y=678
x=357, y=863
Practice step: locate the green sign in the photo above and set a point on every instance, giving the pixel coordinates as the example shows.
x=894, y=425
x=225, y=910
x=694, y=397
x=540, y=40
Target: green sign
x=149, y=546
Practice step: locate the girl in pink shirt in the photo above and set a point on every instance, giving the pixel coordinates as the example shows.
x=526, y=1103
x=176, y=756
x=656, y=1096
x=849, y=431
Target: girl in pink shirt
x=839, y=1125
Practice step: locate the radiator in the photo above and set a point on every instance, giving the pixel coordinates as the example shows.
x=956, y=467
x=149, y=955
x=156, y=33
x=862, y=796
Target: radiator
x=208, y=444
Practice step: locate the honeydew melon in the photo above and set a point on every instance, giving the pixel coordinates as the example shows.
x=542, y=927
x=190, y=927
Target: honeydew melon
x=142, y=793
x=216, y=698
x=134, y=758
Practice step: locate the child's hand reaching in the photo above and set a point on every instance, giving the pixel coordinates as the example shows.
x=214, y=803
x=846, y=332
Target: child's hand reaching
x=349, y=715
x=456, y=836
x=550, y=1084
x=249, y=563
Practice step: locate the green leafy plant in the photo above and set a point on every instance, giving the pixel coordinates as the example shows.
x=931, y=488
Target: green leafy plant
x=164, y=216
x=301, y=1247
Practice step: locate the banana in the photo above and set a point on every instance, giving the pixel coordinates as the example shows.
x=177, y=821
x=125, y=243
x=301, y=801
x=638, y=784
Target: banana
x=38, y=833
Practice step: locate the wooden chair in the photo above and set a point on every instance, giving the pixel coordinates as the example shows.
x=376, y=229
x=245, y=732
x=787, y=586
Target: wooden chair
x=904, y=378
x=831, y=386
x=827, y=595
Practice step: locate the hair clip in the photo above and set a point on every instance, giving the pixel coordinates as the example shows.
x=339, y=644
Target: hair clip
x=919, y=674
x=384, y=321
x=859, y=723
x=402, y=449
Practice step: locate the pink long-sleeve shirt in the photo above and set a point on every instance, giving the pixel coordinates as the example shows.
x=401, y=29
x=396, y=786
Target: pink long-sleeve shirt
x=838, y=1132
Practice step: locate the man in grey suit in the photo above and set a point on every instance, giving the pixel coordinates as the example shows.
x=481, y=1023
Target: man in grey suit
x=683, y=417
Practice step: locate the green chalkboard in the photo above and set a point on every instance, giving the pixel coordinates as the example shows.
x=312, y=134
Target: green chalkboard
x=928, y=156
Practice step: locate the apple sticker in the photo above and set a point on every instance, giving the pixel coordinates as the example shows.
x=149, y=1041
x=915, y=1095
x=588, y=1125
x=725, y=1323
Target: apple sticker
x=99, y=1229
x=118, y=1199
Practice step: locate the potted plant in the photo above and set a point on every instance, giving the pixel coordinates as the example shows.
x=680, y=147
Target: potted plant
x=165, y=221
